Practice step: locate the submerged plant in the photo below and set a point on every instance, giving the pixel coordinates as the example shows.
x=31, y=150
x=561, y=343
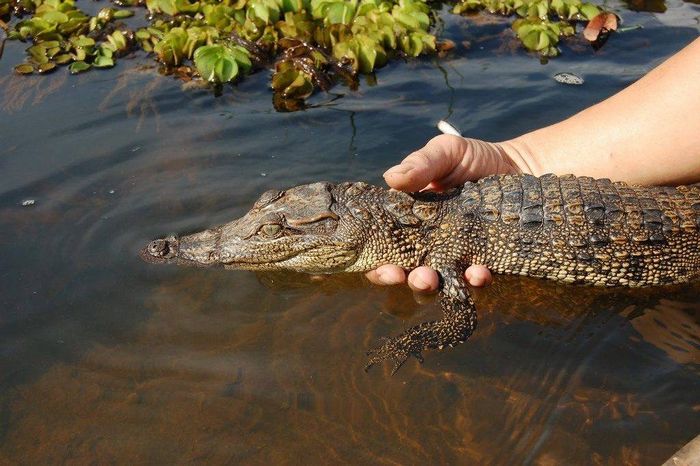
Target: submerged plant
x=314, y=43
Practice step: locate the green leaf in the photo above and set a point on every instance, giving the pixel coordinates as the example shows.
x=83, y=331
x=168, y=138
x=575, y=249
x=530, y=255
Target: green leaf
x=261, y=11
x=78, y=67
x=121, y=14
x=162, y=6
x=590, y=11
x=340, y=13
x=63, y=59
x=103, y=61
x=24, y=68
x=84, y=41
x=292, y=5
x=242, y=58
x=282, y=79
x=407, y=20
x=171, y=49
x=117, y=40
x=46, y=68
x=38, y=54
x=216, y=63
x=55, y=17
x=300, y=88
x=530, y=40
x=184, y=6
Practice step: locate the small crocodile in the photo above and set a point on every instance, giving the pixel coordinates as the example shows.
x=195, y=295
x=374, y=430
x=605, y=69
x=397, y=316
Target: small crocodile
x=564, y=228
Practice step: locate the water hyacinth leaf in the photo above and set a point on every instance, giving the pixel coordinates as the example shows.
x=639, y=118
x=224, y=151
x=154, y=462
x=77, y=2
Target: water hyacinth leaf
x=78, y=67
x=242, y=58
x=300, y=88
x=263, y=12
x=347, y=50
x=294, y=6
x=422, y=18
x=55, y=17
x=367, y=54
x=589, y=10
x=63, y=59
x=216, y=63
x=319, y=7
x=282, y=79
x=170, y=50
x=46, y=67
x=24, y=68
x=407, y=20
x=83, y=41
x=184, y=6
x=106, y=51
x=340, y=13
x=38, y=54
x=121, y=14
x=103, y=61
x=530, y=40
x=33, y=27
x=231, y=35
x=161, y=6
x=117, y=40
x=225, y=70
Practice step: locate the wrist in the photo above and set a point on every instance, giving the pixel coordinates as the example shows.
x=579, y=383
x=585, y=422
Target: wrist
x=521, y=156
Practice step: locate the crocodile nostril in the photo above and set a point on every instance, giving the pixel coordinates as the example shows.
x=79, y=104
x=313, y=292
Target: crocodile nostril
x=158, y=248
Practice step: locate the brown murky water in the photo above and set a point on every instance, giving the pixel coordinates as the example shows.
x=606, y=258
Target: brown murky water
x=107, y=360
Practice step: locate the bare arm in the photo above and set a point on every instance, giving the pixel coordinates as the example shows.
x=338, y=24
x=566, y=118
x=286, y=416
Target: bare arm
x=648, y=133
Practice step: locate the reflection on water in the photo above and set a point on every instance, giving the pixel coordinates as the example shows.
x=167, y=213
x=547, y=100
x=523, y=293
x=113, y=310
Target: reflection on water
x=208, y=379
x=105, y=359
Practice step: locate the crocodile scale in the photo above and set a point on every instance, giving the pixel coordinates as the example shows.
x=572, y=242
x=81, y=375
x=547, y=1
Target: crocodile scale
x=563, y=228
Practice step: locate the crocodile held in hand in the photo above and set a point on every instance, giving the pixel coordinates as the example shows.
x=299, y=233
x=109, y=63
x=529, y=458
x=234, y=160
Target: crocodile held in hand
x=568, y=229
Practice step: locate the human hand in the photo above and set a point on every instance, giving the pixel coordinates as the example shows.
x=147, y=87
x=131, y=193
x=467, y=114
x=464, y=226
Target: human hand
x=446, y=161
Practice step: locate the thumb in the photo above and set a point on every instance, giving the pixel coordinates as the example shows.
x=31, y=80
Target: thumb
x=440, y=156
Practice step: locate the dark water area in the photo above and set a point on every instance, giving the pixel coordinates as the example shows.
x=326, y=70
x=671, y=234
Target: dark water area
x=107, y=360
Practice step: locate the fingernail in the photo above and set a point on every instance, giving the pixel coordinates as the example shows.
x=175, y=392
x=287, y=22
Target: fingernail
x=398, y=170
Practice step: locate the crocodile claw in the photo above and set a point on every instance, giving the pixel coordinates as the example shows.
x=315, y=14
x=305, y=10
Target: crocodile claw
x=399, y=349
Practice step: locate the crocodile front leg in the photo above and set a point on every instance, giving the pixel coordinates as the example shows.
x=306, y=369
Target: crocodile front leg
x=457, y=324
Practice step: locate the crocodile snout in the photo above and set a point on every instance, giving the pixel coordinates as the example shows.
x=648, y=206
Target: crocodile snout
x=161, y=250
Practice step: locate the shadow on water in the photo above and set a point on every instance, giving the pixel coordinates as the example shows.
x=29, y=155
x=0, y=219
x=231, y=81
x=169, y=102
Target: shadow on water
x=106, y=359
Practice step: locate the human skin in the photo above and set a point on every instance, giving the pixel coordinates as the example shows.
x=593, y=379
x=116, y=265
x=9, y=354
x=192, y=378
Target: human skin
x=648, y=133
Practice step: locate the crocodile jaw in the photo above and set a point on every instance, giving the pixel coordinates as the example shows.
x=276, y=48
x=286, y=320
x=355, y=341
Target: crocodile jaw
x=307, y=253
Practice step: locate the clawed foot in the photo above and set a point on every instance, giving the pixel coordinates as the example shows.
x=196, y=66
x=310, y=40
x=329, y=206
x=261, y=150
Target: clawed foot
x=398, y=348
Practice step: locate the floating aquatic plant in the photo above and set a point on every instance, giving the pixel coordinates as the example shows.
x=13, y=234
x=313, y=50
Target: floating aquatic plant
x=310, y=44
x=541, y=23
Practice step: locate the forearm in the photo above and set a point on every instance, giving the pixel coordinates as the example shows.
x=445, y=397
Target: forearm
x=649, y=133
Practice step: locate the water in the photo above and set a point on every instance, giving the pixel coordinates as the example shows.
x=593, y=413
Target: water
x=106, y=359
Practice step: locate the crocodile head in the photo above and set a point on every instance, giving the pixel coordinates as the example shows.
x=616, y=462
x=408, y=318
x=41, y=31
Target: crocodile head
x=304, y=228
x=316, y=228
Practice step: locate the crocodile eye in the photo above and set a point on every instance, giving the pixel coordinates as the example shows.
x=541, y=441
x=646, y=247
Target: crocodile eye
x=270, y=230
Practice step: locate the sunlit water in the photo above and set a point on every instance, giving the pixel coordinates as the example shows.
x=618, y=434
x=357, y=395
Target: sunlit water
x=105, y=359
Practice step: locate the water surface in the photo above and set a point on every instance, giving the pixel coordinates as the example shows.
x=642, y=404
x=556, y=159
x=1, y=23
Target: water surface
x=106, y=359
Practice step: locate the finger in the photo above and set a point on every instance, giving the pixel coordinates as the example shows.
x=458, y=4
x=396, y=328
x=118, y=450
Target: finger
x=480, y=159
x=423, y=279
x=478, y=275
x=386, y=275
x=435, y=161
